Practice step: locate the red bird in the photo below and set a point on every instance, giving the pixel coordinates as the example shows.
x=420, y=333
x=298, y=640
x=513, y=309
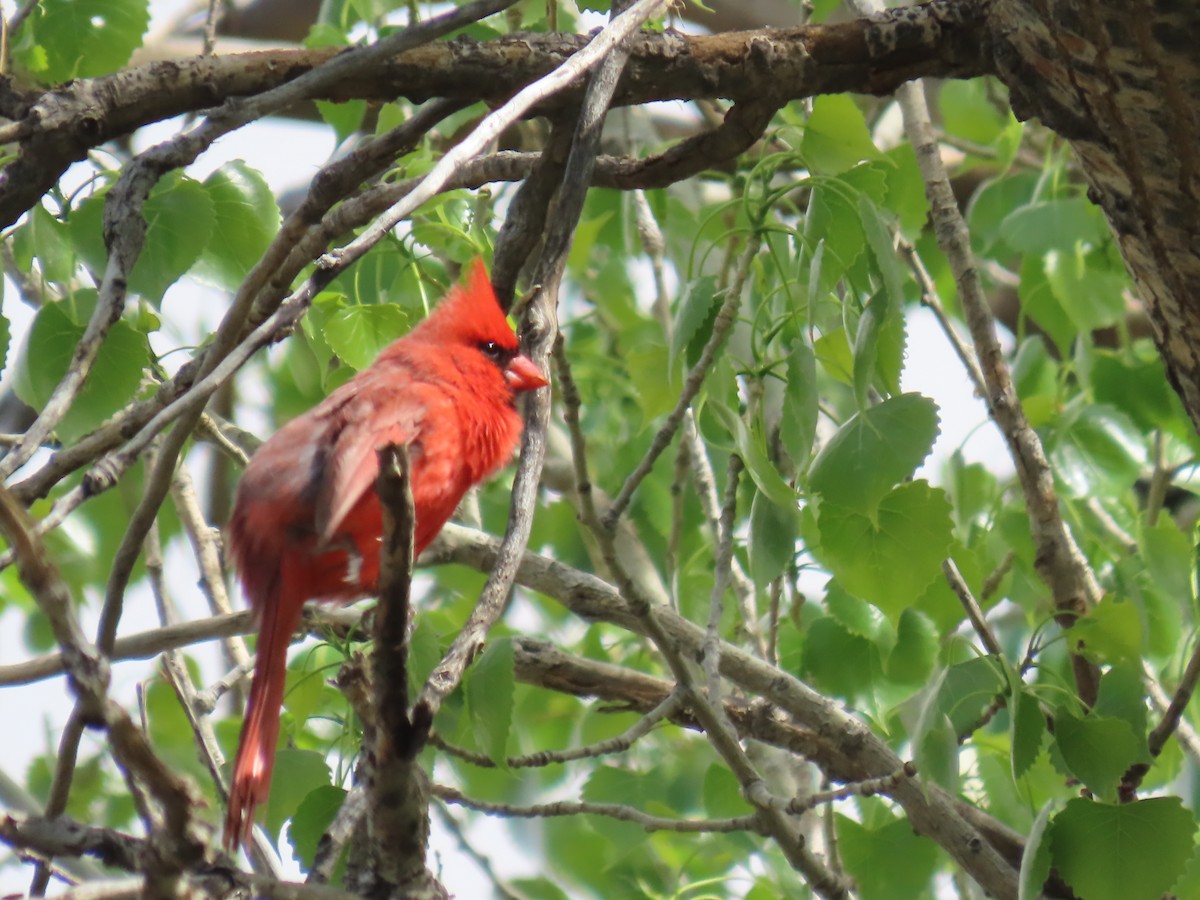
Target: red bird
x=307, y=523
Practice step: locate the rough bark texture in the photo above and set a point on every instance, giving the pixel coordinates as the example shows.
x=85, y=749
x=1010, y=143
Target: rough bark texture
x=1121, y=82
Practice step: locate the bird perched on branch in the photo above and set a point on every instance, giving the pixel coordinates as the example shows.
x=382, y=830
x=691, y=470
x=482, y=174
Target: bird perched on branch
x=307, y=523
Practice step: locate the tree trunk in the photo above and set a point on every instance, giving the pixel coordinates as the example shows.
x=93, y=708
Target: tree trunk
x=1121, y=82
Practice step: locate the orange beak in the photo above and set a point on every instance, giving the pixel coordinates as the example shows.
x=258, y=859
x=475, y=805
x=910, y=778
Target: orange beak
x=522, y=374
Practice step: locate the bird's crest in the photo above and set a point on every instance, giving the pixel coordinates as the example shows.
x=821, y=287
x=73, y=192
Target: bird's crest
x=471, y=314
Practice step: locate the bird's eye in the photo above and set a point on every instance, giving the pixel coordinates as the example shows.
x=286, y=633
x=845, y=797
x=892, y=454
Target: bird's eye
x=497, y=354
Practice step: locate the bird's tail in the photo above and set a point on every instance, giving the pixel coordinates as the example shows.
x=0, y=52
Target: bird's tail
x=280, y=614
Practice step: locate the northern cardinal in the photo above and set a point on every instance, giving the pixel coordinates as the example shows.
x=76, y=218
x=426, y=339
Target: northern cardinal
x=307, y=522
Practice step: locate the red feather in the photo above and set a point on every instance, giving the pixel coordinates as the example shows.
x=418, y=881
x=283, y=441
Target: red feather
x=306, y=523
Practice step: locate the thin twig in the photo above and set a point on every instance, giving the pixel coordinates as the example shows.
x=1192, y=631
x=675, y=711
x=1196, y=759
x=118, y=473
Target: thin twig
x=619, y=744
x=608, y=810
x=706, y=490
x=961, y=590
x=724, y=560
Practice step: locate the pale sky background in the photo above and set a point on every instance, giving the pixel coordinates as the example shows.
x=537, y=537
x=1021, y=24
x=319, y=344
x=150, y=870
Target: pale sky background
x=288, y=155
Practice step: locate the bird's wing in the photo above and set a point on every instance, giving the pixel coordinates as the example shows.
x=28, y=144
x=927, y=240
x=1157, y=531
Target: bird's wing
x=381, y=416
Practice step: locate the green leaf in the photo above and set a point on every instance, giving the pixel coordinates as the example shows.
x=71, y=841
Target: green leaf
x=388, y=274
x=1027, y=731
x=85, y=38
x=874, y=450
x=1097, y=749
x=973, y=490
x=344, y=118
x=1043, y=307
x=51, y=244
x=1092, y=295
x=1054, y=225
x=313, y=326
x=773, y=532
x=992, y=203
x=5, y=335
x=1137, y=385
x=1169, y=557
x=424, y=653
x=297, y=774
x=722, y=794
x=860, y=618
x=537, y=889
x=798, y=424
x=883, y=315
x=838, y=662
x=968, y=113
x=697, y=306
x=833, y=219
x=879, y=239
x=312, y=819
x=752, y=448
x=890, y=862
x=245, y=219
x=168, y=724
x=833, y=352
x=906, y=190
x=656, y=384
x=1123, y=695
x=913, y=658
x=306, y=676
x=936, y=749
x=1111, y=631
x=114, y=378
x=1099, y=450
x=1035, y=861
x=878, y=348
x=489, y=690
x=967, y=689
x=836, y=137
x=1035, y=374
x=357, y=333
x=889, y=558
x=1131, y=851
x=179, y=218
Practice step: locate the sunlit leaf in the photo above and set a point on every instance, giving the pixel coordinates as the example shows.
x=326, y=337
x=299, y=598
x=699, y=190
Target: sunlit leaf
x=888, y=558
x=837, y=137
x=84, y=38
x=246, y=218
x=357, y=333
x=875, y=450
x=48, y=350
